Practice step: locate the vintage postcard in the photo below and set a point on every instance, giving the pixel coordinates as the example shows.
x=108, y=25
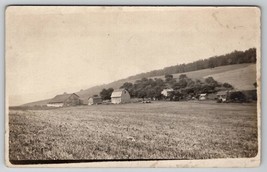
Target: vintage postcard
x=139, y=86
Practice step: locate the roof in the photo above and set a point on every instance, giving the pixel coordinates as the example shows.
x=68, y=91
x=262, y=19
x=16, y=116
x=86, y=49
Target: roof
x=61, y=98
x=117, y=93
x=168, y=89
x=204, y=94
x=94, y=98
x=220, y=93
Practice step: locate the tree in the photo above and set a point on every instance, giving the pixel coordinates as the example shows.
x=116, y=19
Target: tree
x=238, y=96
x=235, y=57
x=255, y=84
x=211, y=63
x=206, y=88
x=129, y=87
x=227, y=85
x=168, y=77
x=211, y=81
x=182, y=83
x=182, y=76
x=106, y=94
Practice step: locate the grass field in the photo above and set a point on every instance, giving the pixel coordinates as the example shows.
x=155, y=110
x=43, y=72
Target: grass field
x=160, y=130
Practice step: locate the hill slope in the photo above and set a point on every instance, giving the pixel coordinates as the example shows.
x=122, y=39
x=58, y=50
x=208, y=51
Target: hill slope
x=241, y=79
x=241, y=76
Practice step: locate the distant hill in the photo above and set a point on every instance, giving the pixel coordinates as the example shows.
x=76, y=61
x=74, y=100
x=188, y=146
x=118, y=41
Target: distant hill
x=241, y=76
x=237, y=68
x=235, y=57
x=37, y=103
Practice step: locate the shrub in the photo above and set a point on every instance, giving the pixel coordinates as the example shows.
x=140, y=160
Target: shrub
x=237, y=96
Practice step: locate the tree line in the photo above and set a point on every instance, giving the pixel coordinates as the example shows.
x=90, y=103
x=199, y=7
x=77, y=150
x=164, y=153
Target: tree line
x=236, y=57
x=184, y=87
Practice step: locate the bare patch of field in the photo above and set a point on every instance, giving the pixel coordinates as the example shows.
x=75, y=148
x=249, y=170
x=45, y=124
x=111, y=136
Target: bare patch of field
x=242, y=78
x=160, y=130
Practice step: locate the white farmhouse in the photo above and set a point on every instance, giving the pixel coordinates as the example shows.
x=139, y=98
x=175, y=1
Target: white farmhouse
x=203, y=96
x=166, y=92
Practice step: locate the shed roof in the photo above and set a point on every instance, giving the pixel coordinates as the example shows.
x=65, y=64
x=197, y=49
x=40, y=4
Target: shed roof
x=94, y=98
x=117, y=93
x=168, y=89
x=61, y=98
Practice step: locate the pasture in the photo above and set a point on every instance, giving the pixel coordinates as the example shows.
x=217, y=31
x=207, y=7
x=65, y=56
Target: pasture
x=160, y=130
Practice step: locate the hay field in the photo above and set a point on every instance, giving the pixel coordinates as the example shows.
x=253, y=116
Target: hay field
x=160, y=130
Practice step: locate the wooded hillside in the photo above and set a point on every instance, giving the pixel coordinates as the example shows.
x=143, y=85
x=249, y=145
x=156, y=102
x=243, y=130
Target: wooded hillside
x=236, y=57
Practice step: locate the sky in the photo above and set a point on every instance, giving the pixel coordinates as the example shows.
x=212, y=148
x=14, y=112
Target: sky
x=51, y=50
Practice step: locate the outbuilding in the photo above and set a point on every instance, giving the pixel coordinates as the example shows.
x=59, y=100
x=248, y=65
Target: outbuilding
x=94, y=100
x=120, y=96
x=222, y=96
x=203, y=96
x=64, y=100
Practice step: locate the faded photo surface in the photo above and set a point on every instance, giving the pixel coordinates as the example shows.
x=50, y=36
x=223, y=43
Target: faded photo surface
x=140, y=86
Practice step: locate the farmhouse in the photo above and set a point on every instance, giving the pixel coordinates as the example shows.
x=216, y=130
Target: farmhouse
x=222, y=96
x=203, y=96
x=64, y=100
x=94, y=100
x=167, y=92
x=120, y=96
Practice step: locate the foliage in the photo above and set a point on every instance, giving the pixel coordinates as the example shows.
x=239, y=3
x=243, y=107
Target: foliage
x=184, y=87
x=129, y=87
x=227, y=85
x=106, y=93
x=238, y=96
x=210, y=81
x=255, y=84
x=168, y=77
x=236, y=57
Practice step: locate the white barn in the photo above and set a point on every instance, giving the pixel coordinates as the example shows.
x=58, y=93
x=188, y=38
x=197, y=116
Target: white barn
x=120, y=96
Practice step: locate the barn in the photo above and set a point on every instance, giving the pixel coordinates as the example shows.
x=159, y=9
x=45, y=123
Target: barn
x=94, y=100
x=64, y=100
x=120, y=96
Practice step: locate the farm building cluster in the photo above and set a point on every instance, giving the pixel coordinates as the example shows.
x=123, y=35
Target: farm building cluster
x=64, y=100
x=121, y=96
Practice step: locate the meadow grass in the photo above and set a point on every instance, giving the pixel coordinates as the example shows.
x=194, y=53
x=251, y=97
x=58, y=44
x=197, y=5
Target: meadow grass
x=160, y=130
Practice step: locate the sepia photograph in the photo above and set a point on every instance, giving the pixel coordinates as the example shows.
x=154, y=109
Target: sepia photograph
x=133, y=86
